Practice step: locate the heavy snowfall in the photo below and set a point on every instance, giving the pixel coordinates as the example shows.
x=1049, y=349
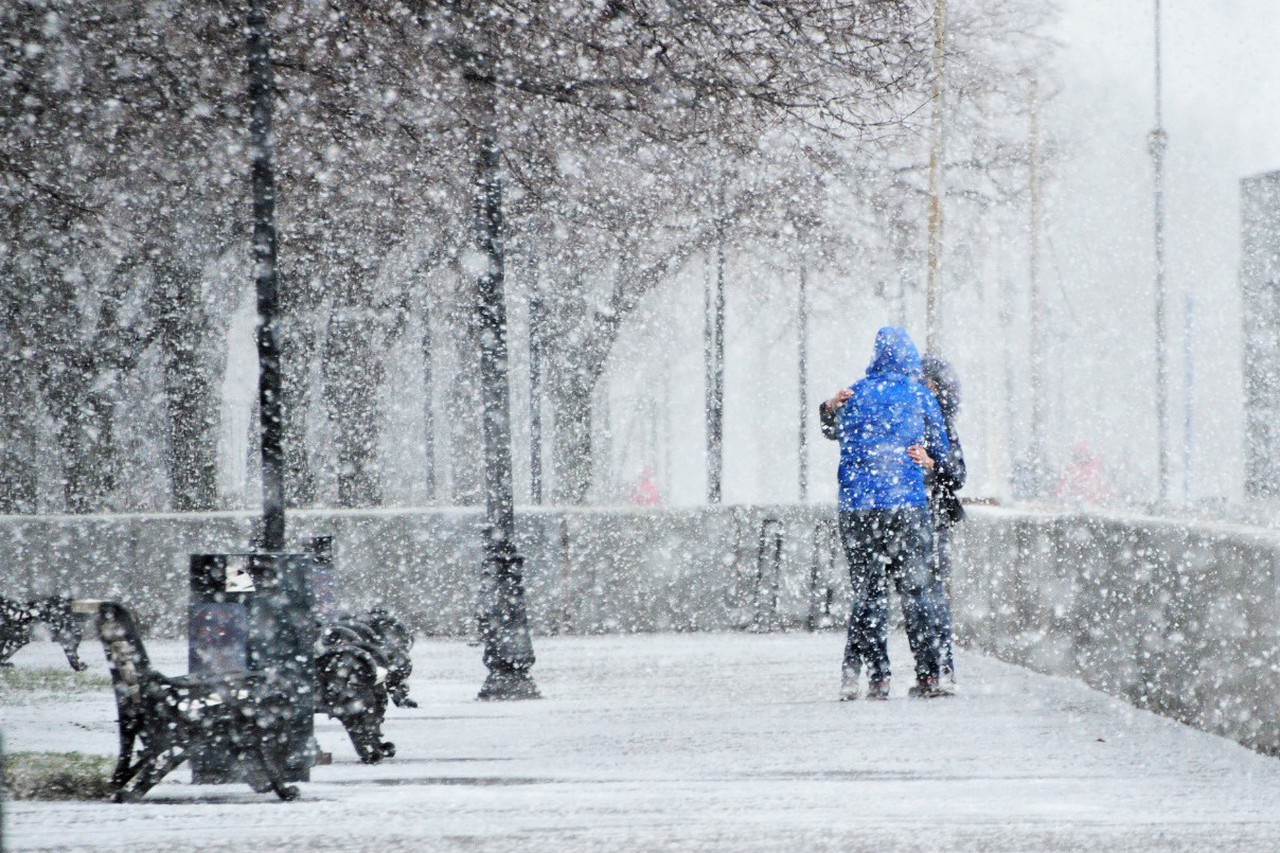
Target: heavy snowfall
x=513, y=326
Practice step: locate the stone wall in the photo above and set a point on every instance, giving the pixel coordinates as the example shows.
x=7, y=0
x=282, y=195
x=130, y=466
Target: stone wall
x=586, y=570
x=1182, y=618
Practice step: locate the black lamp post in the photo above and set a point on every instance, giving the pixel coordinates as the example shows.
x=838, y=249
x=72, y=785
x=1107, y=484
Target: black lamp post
x=504, y=627
x=270, y=386
x=282, y=611
x=256, y=610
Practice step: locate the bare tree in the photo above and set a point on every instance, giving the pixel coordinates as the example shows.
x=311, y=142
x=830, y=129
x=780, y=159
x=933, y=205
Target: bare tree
x=611, y=128
x=105, y=172
x=615, y=83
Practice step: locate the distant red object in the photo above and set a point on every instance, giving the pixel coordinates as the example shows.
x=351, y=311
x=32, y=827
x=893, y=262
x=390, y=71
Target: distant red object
x=1084, y=479
x=646, y=492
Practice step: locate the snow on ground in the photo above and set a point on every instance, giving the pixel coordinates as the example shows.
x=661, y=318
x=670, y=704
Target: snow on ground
x=693, y=742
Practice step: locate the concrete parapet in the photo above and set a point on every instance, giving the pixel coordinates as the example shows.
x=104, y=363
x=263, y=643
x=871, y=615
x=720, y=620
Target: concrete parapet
x=1182, y=618
x=586, y=570
x=1176, y=616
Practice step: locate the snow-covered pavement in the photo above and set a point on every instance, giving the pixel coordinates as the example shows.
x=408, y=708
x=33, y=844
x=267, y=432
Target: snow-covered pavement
x=694, y=742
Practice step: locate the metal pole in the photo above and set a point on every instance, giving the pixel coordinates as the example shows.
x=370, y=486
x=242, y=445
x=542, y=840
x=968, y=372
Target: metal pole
x=802, y=335
x=1158, y=143
x=1012, y=450
x=535, y=397
x=281, y=614
x=709, y=371
x=713, y=339
x=1188, y=398
x=666, y=424
x=508, y=648
x=998, y=463
x=933, y=290
x=270, y=386
x=717, y=407
x=1038, y=390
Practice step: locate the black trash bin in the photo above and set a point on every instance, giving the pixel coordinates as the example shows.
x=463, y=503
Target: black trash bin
x=257, y=612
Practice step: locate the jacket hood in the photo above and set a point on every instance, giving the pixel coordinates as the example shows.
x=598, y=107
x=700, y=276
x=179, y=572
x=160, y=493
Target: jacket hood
x=948, y=385
x=895, y=353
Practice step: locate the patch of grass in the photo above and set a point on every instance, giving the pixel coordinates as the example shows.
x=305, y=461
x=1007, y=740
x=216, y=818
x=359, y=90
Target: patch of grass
x=18, y=680
x=57, y=776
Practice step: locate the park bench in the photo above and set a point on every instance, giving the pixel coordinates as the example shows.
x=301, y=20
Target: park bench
x=173, y=719
x=362, y=663
x=17, y=619
x=389, y=639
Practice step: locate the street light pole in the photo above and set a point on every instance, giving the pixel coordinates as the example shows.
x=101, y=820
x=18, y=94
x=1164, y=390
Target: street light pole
x=1158, y=142
x=713, y=332
x=535, y=393
x=281, y=612
x=802, y=341
x=270, y=385
x=1038, y=390
x=504, y=626
x=933, y=294
x=1188, y=397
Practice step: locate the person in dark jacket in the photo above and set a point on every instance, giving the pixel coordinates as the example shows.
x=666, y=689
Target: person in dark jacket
x=944, y=476
x=885, y=524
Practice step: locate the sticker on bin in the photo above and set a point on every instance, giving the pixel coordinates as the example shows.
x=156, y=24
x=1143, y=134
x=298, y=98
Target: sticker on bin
x=238, y=578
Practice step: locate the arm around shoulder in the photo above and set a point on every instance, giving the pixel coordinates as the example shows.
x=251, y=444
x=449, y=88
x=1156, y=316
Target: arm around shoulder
x=951, y=468
x=829, y=413
x=829, y=420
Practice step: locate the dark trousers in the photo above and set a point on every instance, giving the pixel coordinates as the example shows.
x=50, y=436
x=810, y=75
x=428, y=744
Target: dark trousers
x=884, y=545
x=940, y=595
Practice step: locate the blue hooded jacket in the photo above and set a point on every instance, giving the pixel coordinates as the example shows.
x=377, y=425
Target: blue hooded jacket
x=890, y=410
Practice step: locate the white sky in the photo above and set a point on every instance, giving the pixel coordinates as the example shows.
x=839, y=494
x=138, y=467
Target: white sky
x=1220, y=80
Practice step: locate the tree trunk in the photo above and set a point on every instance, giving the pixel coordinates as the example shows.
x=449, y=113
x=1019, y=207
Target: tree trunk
x=572, y=455
x=297, y=359
x=428, y=405
x=465, y=458
x=190, y=395
x=577, y=351
x=76, y=389
x=18, y=479
x=85, y=428
x=352, y=378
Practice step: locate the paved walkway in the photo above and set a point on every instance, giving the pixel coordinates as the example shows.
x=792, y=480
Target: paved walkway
x=696, y=742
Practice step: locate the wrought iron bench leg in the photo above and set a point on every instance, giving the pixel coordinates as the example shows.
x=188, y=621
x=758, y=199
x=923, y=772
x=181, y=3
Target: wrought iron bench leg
x=121, y=774
x=144, y=773
x=271, y=774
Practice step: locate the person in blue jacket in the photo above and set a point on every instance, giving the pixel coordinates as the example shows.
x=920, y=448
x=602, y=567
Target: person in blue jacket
x=885, y=524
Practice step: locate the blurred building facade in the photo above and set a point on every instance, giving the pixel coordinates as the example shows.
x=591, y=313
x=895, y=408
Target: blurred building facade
x=1260, y=302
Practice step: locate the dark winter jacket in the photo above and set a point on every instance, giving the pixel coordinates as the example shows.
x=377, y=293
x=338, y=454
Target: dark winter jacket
x=949, y=472
x=890, y=410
